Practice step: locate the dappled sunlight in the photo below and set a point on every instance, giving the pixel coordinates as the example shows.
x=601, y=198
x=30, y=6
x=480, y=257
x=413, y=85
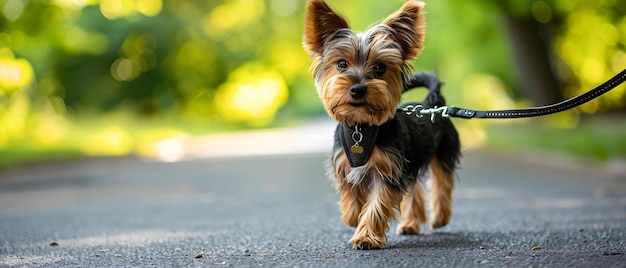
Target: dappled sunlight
x=14, y=114
x=284, y=7
x=113, y=9
x=74, y=4
x=252, y=94
x=14, y=72
x=232, y=14
x=473, y=134
x=481, y=92
x=592, y=45
x=288, y=60
x=169, y=150
x=137, y=58
x=566, y=119
x=541, y=11
x=486, y=92
x=111, y=140
x=125, y=69
x=50, y=129
x=78, y=40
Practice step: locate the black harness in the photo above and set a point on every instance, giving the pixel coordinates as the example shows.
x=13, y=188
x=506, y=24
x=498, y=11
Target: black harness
x=358, y=142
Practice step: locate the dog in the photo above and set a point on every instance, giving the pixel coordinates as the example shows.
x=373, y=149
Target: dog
x=381, y=153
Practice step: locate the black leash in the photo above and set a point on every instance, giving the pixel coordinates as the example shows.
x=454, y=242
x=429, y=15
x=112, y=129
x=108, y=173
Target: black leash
x=426, y=80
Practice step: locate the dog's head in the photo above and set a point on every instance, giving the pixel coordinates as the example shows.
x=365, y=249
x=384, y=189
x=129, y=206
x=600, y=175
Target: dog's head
x=360, y=76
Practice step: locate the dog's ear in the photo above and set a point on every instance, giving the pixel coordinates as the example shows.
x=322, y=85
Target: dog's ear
x=320, y=22
x=408, y=24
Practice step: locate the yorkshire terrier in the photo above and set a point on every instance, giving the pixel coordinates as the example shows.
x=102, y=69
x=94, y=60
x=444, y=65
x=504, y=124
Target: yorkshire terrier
x=380, y=151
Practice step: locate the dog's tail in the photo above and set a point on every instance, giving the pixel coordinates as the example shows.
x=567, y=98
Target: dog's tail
x=430, y=81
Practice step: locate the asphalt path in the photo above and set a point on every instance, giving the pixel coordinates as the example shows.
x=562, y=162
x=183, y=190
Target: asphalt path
x=280, y=211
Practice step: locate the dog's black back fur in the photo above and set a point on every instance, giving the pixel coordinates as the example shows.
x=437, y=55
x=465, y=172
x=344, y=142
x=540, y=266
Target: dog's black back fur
x=446, y=137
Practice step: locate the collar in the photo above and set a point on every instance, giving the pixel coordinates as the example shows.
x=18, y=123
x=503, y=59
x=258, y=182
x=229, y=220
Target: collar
x=358, y=143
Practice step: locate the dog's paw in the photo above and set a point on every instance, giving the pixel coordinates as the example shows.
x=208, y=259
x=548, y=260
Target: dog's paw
x=366, y=244
x=439, y=221
x=440, y=215
x=408, y=229
x=368, y=240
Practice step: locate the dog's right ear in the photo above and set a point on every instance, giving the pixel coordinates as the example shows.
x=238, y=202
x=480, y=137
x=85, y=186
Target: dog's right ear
x=320, y=22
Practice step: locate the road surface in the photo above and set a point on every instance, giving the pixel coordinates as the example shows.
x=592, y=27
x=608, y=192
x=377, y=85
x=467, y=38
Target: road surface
x=280, y=211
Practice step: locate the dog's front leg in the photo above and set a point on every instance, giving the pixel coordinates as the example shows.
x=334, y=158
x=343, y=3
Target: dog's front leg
x=351, y=203
x=352, y=197
x=374, y=218
x=383, y=199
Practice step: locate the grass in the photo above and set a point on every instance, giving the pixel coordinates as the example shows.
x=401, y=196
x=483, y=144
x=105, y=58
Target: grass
x=97, y=135
x=596, y=137
x=19, y=156
x=114, y=134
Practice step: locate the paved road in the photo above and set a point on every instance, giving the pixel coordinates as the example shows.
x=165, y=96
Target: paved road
x=281, y=211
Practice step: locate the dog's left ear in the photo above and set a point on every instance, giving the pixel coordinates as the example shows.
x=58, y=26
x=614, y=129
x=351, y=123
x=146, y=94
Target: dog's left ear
x=409, y=28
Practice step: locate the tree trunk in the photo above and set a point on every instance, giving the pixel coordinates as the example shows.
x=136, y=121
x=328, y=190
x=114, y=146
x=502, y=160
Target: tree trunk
x=531, y=52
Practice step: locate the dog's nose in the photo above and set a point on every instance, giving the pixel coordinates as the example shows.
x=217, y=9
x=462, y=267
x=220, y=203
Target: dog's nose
x=357, y=91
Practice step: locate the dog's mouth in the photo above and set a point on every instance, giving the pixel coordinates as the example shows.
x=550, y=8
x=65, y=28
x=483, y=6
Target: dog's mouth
x=361, y=112
x=357, y=104
x=370, y=108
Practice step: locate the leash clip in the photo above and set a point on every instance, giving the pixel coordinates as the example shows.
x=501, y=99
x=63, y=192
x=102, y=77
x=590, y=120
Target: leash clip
x=443, y=110
x=420, y=111
x=413, y=109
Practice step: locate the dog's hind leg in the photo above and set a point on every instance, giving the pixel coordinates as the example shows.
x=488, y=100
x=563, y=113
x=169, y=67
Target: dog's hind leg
x=441, y=194
x=412, y=210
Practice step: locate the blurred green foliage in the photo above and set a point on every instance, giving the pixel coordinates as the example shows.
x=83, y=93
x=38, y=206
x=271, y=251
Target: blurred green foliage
x=84, y=74
x=597, y=139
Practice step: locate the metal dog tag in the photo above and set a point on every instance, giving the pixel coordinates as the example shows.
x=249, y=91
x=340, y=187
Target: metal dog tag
x=356, y=149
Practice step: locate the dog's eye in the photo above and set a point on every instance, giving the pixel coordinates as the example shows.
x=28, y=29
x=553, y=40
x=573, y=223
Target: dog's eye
x=379, y=69
x=342, y=65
